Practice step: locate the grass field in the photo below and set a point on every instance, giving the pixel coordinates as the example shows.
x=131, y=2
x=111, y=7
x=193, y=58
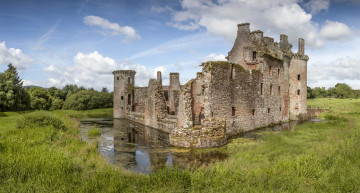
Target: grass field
x=316, y=157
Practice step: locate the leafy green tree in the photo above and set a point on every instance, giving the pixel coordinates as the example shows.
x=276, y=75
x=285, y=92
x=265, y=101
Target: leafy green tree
x=318, y=92
x=88, y=99
x=13, y=96
x=104, y=90
x=56, y=103
x=40, y=98
x=343, y=90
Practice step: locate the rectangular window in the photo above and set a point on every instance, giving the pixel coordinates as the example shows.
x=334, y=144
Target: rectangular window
x=270, y=70
x=268, y=110
x=278, y=72
x=298, y=76
x=253, y=112
x=122, y=97
x=129, y=80
x=254, y=55
x=233, y=111
x=129, y=99
x=280, y=108
x=298, y=92
x=279, y=90
x=117, y=78
x=261, y=88
x=270, y=90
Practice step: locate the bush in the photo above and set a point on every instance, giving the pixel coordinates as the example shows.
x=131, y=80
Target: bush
x=40, y=119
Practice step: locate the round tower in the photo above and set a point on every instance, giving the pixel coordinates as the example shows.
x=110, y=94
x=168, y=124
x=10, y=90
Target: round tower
x=298, y=83
x=124, y=85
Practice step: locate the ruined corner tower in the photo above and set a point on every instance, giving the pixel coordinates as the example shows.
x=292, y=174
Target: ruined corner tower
x=124, y=81
x=298, y=83
x=174, y=91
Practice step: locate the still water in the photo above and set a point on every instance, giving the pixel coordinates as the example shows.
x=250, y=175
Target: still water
x=143, y=149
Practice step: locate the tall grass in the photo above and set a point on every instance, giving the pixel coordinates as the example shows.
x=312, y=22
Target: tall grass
x=316, y=157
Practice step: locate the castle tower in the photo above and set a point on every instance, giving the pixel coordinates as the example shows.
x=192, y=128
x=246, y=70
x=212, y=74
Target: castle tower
x=298, y=83
x=174, y=91
x=159, y=78
x=124, y=81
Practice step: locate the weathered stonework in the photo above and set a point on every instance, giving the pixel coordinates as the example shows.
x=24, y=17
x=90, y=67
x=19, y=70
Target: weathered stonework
x=262, y=83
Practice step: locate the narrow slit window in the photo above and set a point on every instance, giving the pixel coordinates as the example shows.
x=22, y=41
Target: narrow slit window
x=261, y=88
x=268, y=110
x=270, y=70
x=233, y=111
x=298, y=76
x=117, y=78
x=278, y=72
x=129, y=80
x=298, y=92
x=279, y=89
x=122, y=97
x=253, y=112
x=129, y=99
x=280, y=108
x=212, y=114
x=270, y=90
x=254, y=55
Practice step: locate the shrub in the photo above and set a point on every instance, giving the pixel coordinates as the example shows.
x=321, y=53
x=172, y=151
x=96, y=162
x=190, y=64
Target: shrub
x=40, y=119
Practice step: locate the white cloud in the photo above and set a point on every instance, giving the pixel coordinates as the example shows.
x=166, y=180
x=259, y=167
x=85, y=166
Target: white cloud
x=94, y=70
x=112, y=28
x=333, y=30
x=214, y=57
x=14, y=56
x=317, y=6
x=275, y=17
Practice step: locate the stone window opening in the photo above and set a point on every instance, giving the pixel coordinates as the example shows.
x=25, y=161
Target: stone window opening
x=129, y=99
x=298, y=92
x=122, y=97
x=129, y=80
x=280, y=108
x=253, y=112
x=166, y=95
x=270, y=70
x=261, y=88
x=232, y=71
x=212, y=114
x=117, y=78
x=233, y=111
x=278, y=72
x=279, y=89
x=254, y=55
x=298, y=76
x=270, y=90
x=268, y=110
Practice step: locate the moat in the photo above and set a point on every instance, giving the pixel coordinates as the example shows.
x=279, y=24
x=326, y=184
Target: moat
x=143, y=149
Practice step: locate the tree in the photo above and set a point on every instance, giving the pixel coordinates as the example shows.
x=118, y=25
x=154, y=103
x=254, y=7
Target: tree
x=343, y=90
x=13, y=96
x=88, y=99
x=104, y=90
x=40, y=99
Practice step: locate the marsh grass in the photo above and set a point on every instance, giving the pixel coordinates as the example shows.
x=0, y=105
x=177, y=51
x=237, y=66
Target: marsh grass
x=94, y=132
x=316, y=157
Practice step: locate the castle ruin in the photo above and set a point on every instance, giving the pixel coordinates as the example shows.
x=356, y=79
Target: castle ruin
x=262, y=83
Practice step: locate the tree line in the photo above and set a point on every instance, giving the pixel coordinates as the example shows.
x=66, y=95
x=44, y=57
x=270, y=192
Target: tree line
x=341, y=90
x=15, y=97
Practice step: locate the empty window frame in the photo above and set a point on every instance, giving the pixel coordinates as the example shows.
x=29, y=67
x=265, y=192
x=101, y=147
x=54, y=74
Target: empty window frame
x=117, y=78
x=270, y=90
x=268, y=110
x=278, y=72
x=253, y=112
x=298, y=76
x=122, y=97
x=233, y=111
x=254, y=55
x=261, y=88
x=298, y=92
x=129, y=80
x=129, y=99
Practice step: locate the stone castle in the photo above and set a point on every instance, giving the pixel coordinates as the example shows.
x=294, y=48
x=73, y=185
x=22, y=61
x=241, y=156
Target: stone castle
x=262, y=83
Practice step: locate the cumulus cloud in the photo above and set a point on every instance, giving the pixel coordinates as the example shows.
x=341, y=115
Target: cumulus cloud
x=333, y=30
x=95, y=70
x=112, y=28
x=214, y=57
x=344, y=68
x=14, y=56
x=275, y=17
x=316, y=6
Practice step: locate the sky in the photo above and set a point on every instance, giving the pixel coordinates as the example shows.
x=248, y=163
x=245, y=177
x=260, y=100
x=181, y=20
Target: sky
x=54, y=43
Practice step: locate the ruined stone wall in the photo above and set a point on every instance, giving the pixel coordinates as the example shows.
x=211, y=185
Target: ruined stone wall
x=140, y=98
x=174, y=91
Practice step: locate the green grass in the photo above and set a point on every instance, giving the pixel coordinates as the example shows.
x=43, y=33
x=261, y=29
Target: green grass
x=94, y=132
x=316, y=157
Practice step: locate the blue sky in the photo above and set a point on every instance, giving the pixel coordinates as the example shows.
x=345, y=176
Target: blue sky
x=54, y=43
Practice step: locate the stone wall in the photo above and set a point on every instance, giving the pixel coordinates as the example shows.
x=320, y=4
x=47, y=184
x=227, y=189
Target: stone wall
x=140, y=98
